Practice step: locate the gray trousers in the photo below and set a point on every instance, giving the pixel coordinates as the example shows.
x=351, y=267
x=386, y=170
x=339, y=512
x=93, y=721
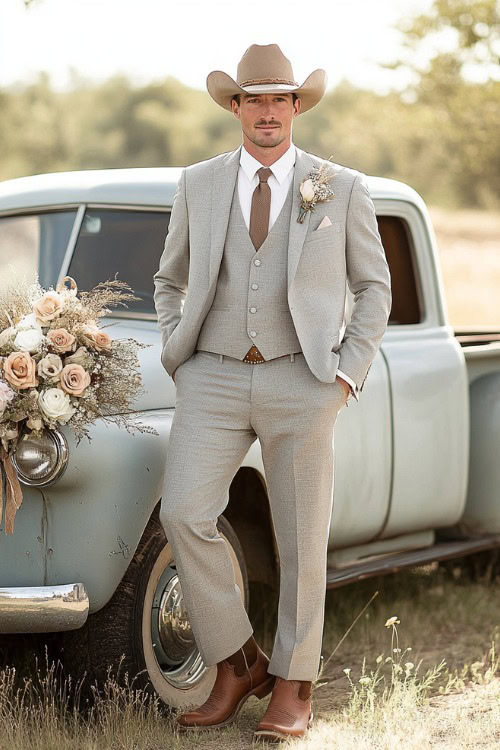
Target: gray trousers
x=222, y=406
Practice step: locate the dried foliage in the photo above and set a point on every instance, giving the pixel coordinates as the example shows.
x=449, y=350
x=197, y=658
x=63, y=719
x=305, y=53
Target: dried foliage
x=57, y=366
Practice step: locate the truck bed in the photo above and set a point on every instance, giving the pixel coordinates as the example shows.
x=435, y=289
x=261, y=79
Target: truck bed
x=473, y=337
x=481, y=349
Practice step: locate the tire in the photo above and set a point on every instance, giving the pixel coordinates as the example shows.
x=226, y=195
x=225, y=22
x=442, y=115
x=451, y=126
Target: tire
x=133, y=633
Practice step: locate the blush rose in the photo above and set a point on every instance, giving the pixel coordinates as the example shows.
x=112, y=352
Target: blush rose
x=20, y=370
x=74, y=379
x=97, y=338
x=6, y=396
x=61, y=340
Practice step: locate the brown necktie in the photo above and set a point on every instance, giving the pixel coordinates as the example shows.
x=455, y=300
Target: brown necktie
x=261, y=206
x=259, y=225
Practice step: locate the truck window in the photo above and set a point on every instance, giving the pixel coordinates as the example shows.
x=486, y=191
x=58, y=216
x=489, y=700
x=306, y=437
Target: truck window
x=396, y=239
x=125, y=242
x=34, y=243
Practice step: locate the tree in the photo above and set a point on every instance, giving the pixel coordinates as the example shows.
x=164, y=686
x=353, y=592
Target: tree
x=457, y=90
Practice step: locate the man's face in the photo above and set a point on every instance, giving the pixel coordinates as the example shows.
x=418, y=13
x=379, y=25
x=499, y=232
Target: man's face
x=266, y=119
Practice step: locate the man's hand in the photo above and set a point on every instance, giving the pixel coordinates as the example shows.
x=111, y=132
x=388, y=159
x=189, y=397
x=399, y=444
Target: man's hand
x=345, y=385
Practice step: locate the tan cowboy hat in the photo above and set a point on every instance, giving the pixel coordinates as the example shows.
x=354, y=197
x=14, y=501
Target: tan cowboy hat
x=264, y=69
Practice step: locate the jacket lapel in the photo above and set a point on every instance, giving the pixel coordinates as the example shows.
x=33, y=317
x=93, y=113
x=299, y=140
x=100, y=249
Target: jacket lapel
x=297, y=232
x=224, y=182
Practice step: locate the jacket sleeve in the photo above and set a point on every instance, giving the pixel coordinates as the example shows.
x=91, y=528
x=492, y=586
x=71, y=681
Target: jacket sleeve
x=171, y=279
x=369, y=279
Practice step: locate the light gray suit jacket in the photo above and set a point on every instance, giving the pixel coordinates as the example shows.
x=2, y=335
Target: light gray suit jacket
x=319, y=263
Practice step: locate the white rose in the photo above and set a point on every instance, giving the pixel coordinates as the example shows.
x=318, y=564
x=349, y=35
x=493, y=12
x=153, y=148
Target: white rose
x=6, y=334
x=56, y=404
x=29, y=340
x=28, y=321
x=307, y=190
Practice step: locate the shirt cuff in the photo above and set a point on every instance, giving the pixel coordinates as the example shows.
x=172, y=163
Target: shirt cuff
x=354, y=387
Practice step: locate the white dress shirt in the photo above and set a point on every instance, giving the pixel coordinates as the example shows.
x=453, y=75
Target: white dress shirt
x=279, y=182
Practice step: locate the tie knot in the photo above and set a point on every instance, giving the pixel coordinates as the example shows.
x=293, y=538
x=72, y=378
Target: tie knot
x=264, y=174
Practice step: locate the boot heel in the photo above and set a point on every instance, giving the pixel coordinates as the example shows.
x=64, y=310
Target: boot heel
x=265, y=688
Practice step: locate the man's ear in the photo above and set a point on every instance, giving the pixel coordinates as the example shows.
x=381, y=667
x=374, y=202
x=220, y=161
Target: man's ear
x=235, y=108
x=296, y=106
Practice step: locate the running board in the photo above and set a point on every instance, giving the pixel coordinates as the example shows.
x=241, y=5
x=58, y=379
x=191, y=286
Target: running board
x=393, y=562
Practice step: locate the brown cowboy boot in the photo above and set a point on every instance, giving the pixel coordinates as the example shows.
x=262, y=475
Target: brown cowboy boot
x=289, y=713
x=231, y=689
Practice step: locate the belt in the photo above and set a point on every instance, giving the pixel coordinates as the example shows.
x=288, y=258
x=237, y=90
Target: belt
x=272, y=359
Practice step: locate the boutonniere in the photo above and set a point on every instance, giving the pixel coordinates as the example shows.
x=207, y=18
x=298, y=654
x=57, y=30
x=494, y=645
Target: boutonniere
x=315, y=189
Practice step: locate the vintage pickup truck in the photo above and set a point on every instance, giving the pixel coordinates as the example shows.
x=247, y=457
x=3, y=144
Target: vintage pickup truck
x=89, y=560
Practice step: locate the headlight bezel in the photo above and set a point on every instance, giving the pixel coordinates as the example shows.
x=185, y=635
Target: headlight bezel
x=61, y=463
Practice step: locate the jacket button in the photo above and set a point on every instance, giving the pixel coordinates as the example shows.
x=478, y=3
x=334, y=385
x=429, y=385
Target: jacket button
x=253, y=309
x=253, y=333
x=257, y=262
x=255, y=286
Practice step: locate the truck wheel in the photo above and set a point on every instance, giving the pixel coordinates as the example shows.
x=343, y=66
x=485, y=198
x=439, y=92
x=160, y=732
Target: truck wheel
x=144, y=629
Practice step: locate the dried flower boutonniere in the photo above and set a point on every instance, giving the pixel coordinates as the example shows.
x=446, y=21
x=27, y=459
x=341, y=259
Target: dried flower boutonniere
x=315, y=189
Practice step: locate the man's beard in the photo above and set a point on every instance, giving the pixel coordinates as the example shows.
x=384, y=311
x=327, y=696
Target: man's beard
x=266, y=142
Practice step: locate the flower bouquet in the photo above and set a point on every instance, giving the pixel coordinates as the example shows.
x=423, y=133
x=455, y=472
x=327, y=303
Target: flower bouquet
x=57, y=366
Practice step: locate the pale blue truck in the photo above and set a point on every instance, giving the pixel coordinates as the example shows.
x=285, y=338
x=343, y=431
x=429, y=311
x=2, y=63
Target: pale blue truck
x=89, y=560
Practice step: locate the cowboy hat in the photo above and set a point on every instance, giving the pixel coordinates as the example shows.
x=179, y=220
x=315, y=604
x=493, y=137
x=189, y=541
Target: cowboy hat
x=264, y=69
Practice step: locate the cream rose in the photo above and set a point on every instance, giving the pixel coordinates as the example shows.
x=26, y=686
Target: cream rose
x=80, y=357
x=6, y=396
x=6, y=335
x=48, y=307
x=50, y=366
x=29, y=339
x=97, y=338
x=56, y=405
x=20, y=370
x=74, y=379
x=61, y=340
x=307, y=190
x=34, y=423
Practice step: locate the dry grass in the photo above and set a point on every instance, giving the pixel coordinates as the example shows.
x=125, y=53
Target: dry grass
x=449, y=630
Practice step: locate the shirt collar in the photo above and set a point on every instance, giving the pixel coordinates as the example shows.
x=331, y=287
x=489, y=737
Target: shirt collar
x=280, y=168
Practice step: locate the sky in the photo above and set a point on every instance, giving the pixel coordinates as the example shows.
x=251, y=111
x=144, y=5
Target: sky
x=151, y=39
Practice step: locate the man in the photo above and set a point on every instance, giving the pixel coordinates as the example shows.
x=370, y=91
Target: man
x=250, y=304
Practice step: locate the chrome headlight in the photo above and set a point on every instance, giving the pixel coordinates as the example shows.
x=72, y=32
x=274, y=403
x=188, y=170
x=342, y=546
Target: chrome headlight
x=40, y=461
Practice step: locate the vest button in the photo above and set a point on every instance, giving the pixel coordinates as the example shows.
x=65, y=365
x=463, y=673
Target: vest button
x=253, y=333
x=257, y=262
x=253, y=309
x=255, y=286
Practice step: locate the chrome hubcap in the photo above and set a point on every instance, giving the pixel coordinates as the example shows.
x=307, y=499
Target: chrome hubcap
x=173, y=642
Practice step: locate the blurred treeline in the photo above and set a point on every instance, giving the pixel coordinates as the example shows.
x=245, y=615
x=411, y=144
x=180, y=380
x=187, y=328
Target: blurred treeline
x=441, y=134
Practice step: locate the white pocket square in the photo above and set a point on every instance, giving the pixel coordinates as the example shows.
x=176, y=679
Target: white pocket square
x=325, y=222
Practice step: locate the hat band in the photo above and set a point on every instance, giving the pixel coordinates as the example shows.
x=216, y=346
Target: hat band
x=257, y=81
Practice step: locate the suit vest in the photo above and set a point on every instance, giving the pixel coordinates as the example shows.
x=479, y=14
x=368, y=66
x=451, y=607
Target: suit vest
x=250, y=305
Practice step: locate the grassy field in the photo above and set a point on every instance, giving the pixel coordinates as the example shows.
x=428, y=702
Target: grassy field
x=469, y=251
x=440, y=690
